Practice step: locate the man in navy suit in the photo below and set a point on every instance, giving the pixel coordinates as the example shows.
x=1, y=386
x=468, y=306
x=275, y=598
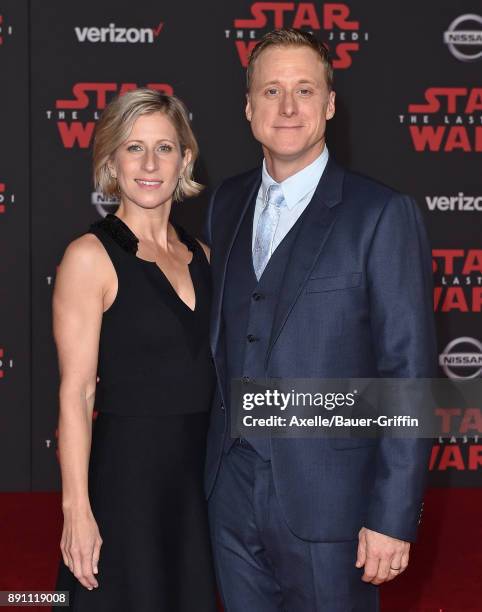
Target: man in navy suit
x=318, y=273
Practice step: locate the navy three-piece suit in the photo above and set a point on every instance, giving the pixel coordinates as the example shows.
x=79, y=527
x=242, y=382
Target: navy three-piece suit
x=346, y=294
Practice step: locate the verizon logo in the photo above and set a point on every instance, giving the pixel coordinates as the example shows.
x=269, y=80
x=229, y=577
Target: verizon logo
x=114, y=34
x=458, y=202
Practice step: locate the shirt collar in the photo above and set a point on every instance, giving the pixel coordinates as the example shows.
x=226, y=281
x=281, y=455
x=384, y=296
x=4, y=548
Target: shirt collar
x=297, y=186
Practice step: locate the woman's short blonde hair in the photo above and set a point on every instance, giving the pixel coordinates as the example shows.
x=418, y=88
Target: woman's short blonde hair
x=115, y=125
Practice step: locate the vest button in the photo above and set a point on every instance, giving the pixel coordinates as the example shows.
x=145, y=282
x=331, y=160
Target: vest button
x=251, y=338
x=257, y=296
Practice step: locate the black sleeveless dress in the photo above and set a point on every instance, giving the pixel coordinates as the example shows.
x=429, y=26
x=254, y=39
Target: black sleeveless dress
x=148, y=442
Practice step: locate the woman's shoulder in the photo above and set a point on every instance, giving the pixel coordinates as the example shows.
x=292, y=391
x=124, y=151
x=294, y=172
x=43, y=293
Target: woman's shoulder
x=84, y=253
x=85, y=246
x=83, y=277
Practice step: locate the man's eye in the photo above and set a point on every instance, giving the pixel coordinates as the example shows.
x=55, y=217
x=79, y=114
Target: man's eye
x=134, y=147
x=271, y=92
x=305, y=92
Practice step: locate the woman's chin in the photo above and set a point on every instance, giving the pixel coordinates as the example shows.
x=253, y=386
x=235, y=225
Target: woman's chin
x=147, y=200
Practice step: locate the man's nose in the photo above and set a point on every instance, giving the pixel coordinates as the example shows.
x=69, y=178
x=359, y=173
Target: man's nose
x=288, y=106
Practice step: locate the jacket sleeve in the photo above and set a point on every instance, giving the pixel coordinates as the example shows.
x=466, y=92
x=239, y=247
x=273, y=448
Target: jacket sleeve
x=208, y=229
x=399, y=274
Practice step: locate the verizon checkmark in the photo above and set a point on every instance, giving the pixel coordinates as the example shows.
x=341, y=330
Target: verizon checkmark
x=157, y=31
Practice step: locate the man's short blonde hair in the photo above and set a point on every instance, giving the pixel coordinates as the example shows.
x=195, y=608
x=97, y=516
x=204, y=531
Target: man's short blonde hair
x=291, y=37
x=115, y=125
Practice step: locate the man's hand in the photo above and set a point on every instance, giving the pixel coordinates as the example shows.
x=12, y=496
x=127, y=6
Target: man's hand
x=384, y=557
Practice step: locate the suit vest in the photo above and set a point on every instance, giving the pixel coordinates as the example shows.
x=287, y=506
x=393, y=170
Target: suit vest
x=249, y=306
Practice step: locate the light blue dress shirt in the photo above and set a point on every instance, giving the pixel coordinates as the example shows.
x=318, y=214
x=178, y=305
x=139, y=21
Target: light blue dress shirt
x=298, y=190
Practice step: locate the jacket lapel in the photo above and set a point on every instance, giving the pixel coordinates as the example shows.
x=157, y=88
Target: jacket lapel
x=231, y=214
x=317, y=224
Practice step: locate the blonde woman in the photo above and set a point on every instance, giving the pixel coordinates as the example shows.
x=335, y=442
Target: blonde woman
x=131, y=309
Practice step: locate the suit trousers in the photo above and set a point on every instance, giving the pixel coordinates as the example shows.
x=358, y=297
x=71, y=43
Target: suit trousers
x=261, y=566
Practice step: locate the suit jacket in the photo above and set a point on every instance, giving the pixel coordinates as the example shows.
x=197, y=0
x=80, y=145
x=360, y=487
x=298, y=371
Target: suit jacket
x=356, y=302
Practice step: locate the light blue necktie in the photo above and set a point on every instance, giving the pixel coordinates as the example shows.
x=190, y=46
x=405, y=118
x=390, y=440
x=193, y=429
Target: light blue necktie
x=267, y=224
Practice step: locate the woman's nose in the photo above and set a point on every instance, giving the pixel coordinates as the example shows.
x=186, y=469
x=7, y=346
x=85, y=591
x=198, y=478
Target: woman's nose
x=150, y=161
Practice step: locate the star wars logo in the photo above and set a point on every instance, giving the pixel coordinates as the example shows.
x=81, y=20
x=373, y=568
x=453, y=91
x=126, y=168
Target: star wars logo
x=458, y=447
x=467, y=421
x=455, y=456
x=341, y=33
x=5, y=198
x=76, y=117
x=5, y=30
x=2, y=197
x=5, y=362
x=457, y=280
x=449, y=120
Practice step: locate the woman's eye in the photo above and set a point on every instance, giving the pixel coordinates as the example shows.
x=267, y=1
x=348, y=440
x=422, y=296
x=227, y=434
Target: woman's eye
x=271, y=92
x=164, y=148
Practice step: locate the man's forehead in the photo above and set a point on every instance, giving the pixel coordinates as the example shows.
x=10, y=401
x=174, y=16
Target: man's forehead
x=294, y=79
x=289, y=74
x=290, y=59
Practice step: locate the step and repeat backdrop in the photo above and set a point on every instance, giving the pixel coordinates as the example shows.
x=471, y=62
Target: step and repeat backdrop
x=409, y=113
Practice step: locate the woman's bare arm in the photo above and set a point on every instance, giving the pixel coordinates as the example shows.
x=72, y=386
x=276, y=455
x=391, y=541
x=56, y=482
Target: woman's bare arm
x=78, y=303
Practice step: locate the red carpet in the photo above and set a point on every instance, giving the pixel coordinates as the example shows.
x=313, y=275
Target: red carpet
x=444, y=573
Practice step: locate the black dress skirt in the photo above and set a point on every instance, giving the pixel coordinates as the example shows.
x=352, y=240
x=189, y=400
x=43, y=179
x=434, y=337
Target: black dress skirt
x=149, y=439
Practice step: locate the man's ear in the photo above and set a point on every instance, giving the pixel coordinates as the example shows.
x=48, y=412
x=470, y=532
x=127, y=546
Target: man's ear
x=330, y=108
x=248, y=110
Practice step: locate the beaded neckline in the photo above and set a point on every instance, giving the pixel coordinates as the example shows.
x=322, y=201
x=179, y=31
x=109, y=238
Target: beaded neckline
x=125, y=237
x=119, y=231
